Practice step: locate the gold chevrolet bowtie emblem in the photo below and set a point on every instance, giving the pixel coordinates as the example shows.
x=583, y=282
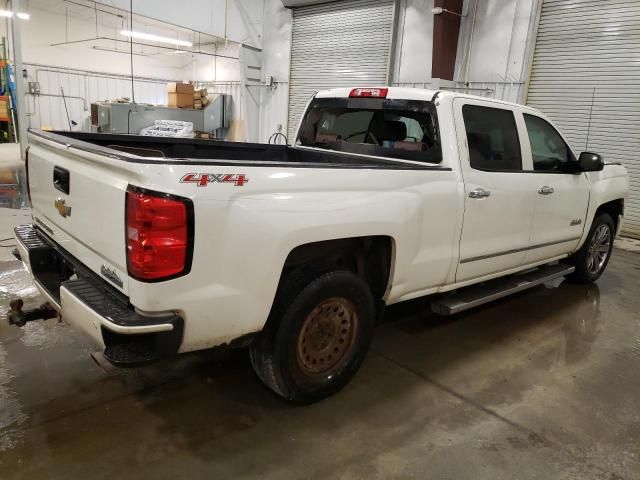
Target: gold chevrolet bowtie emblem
x=63, y=210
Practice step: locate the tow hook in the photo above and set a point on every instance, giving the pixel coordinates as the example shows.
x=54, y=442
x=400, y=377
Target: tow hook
x=18, y=317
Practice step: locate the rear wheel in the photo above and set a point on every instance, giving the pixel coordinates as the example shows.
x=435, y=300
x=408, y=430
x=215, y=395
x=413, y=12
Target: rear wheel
x=317, y=335
x=592, y=258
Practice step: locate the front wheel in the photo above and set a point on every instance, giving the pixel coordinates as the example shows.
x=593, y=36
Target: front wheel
x=592, y=258
x=317, y=335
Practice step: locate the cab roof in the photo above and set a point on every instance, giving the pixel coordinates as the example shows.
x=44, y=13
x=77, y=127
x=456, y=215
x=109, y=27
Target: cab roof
x=405, y=93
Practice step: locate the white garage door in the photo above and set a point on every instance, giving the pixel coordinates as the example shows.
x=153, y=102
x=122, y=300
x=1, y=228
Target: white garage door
x=586, y=77
x=338, y=44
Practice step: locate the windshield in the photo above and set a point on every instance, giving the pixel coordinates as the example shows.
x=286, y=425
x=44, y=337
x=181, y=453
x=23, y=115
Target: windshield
x=405, y=129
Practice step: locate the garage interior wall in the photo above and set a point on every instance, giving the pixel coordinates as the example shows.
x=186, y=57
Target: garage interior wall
x=100, y=70
x=494, y=47
x=336, y=45
x=411, y=63
x=276, y=41
x=496, y=40
x=239, y=21
x=500, y=49
x=585, y=76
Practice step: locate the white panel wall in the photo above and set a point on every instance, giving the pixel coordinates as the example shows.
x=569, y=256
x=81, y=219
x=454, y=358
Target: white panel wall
x=250, y=106
x=494, y=48
x=414, y=42
x=275, y=58
x=507, y=91
x=498, y=49
x=205, y=68
x=50, y=26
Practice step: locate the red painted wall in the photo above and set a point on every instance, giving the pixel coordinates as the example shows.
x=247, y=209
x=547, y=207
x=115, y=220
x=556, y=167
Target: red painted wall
x=446, y=28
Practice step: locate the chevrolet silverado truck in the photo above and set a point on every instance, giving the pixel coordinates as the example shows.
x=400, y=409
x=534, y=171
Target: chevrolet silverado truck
x=158, y=246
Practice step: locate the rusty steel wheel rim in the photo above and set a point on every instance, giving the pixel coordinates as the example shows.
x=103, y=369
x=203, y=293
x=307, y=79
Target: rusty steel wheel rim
x=327, y=337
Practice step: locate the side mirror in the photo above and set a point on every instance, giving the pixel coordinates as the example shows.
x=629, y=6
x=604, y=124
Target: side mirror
x=590, y=162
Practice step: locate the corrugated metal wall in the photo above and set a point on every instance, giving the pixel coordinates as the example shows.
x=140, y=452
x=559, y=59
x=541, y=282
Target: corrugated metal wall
x=586, y=76
x=81, y=89
x=338, y=44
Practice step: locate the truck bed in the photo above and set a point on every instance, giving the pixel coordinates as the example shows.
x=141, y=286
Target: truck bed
x=168, y=150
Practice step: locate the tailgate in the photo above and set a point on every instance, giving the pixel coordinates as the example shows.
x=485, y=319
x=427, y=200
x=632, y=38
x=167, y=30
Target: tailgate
x=78, y=199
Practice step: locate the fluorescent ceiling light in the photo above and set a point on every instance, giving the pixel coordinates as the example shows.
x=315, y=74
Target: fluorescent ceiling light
x=155, y=38
x=9, y=14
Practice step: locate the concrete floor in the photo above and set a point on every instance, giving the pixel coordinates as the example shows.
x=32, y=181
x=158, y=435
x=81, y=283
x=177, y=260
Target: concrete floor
x=543, y=385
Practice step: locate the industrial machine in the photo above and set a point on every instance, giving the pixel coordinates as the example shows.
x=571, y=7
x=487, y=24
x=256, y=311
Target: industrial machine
x=123, y=118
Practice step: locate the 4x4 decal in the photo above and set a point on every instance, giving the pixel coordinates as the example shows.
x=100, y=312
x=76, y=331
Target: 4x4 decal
x=203, y=179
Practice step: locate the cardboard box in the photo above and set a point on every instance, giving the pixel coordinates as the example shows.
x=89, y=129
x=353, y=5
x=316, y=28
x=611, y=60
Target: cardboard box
x=180, y=88
x=180, y=100
x=4, y=107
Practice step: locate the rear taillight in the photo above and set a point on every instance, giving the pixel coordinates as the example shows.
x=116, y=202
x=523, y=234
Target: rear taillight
x=26, y=172
x=159, y=235
x=369, y=92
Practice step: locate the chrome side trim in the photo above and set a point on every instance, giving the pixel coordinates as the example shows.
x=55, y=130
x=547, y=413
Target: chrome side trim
x=516, y=250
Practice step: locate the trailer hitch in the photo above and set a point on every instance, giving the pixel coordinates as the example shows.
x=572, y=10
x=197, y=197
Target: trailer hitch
x=18, y=317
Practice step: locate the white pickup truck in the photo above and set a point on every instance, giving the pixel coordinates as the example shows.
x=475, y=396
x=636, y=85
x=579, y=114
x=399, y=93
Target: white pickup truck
x=158, y=246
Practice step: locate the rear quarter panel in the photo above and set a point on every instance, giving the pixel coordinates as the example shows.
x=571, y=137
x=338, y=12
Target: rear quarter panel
x=243, y=235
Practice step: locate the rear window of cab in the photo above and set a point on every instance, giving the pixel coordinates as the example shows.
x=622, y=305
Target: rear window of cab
x=403, y=129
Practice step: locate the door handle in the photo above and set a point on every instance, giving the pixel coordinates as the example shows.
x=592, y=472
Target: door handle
x=545, y=190
x=479, y=193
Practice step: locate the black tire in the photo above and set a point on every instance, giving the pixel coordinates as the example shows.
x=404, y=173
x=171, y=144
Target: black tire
x=304, y=310
x=588, y=269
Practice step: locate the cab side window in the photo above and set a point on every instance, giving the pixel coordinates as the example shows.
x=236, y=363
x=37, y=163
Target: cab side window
x=550, y=152
x=492, y=137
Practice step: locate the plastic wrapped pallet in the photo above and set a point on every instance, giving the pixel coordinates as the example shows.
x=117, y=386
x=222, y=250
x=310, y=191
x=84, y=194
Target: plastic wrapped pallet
x=168, y=128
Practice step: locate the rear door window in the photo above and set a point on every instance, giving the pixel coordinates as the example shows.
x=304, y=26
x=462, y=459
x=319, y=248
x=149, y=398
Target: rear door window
x=492, y=137
x=402, y=129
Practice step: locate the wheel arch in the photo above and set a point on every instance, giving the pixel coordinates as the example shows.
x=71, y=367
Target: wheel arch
x=372, y=257
x=615, y=209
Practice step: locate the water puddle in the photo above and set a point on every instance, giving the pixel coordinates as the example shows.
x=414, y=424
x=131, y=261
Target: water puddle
x=12, y=415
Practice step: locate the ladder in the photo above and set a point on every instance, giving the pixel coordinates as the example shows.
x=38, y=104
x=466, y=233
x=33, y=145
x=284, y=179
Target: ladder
x=11, y=82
